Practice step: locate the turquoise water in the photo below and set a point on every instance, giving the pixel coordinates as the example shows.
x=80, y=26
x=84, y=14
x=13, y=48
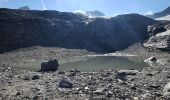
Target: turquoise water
x=105, y=62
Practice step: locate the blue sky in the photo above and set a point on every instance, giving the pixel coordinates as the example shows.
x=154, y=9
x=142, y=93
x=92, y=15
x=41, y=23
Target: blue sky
x=109, y=7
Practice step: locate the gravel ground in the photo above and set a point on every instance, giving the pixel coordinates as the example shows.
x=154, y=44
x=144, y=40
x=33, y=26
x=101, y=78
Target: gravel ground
x=146, y=84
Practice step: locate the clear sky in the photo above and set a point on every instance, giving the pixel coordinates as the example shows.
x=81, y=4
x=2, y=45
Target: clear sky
x=109, y=7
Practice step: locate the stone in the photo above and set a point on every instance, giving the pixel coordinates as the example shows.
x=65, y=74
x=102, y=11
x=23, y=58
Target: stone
x=153, y=59
x=99, y=91
x=51, y=65
x=18, y=93
x=154, y=86
x=27, y=78
x=149, y=74
x=65, y=84
x=109, y=94
x=35, y=77
x=61, y=72
x=121, y=75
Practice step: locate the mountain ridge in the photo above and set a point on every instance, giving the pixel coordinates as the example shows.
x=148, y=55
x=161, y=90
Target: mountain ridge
x=20, y=28
x=160, y=14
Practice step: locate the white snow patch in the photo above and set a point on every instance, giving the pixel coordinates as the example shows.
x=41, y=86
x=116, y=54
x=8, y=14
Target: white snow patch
x=163, y=33
x=164, y=18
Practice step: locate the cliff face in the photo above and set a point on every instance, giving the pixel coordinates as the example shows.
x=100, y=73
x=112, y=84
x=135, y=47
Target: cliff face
x=24, y=28
x=160, y=37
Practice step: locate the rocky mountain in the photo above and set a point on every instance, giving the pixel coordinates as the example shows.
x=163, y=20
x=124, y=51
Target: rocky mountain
x=24, y=8
x=161, y=14
x=25, y=28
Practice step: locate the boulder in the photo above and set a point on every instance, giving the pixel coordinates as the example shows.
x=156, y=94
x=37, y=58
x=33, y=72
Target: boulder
x=51, y=65
x=65, y=84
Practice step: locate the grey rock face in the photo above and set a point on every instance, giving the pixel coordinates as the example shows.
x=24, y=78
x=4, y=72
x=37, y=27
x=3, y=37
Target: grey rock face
x=25, y=28
x=153, y=30
x=160, y=37
x=51, y=65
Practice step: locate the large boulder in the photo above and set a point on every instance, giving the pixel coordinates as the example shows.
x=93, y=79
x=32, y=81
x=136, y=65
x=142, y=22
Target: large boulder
x=51, y=65
x=166, y=91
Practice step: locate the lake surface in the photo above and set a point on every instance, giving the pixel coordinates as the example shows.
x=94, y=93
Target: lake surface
x=92, y=64
x=105, y=62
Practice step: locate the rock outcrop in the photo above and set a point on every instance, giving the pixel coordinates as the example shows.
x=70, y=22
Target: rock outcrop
x=25, y=28
x=160, y=37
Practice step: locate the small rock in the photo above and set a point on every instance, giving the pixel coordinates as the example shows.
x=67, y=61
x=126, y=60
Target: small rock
x=27, y=78
x=86, y=88
x=133, y=88
x=150, y=74
x=135, y=98
x=36, y=98
x=121, y=76
x=65, y=84
x=151, y=59
x=74, y=70
x=35, y=77
x=99, y=91
x=72, y=74
x=61, y=72
x=9, y=68
x=18, y=93
x=155, y=86
x=168, y=76
x=109, y=94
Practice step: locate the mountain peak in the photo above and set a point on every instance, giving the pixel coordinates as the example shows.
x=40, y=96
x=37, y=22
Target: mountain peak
x=167, y=9
x=94, y=13
x=24, y=8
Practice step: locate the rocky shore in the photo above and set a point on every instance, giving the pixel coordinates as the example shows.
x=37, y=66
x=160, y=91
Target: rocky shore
x=135, y=84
